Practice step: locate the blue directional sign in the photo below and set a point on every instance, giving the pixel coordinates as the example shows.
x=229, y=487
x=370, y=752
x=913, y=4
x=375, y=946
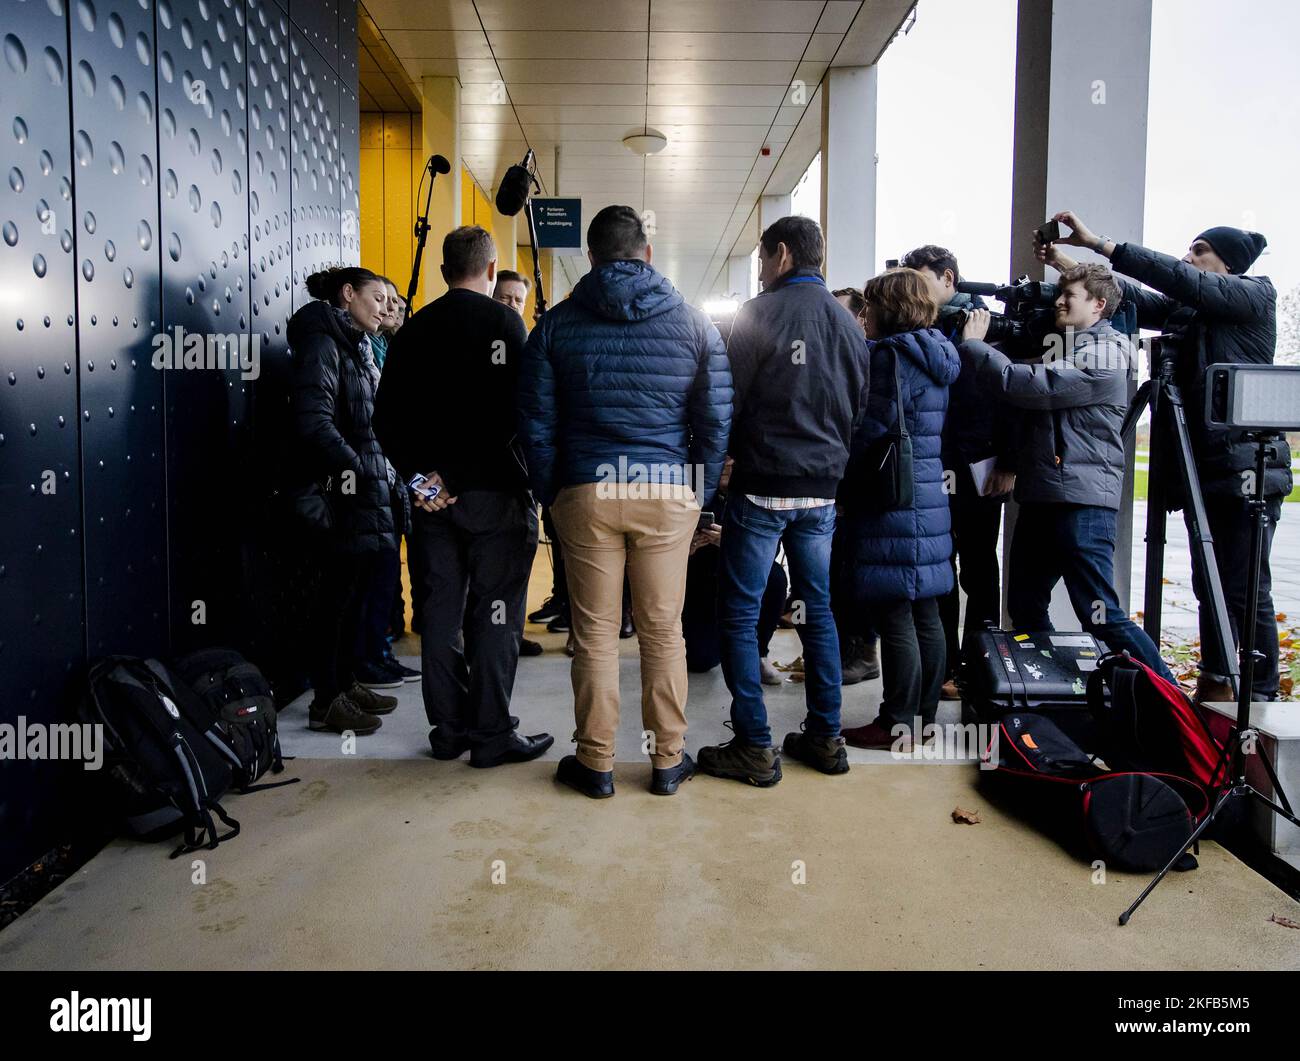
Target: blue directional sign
x=558, y=221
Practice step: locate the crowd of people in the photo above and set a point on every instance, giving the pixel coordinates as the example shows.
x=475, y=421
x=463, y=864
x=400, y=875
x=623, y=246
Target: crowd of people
x=865, y=440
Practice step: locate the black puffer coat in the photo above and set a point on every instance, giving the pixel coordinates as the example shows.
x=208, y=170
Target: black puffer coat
x=1213, y=318
x=333, y=397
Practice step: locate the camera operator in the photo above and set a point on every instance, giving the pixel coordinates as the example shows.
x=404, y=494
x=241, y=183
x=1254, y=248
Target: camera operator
x=1212, y=314
x=1070, y=469
x=977, y=429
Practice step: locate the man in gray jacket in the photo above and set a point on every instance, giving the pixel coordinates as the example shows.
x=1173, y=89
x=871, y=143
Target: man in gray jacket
x=1070, y=467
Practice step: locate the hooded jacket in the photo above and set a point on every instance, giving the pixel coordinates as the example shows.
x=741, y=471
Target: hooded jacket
x=624, y=380
x=333, y=396
x=1072, y=408
x=905, y=554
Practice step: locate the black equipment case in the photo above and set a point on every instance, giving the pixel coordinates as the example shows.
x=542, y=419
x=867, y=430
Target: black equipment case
x=1045, y=672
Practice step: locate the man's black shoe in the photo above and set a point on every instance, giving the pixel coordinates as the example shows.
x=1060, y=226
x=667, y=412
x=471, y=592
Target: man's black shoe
x=548, y=611
x=560, y=624
x=529, y=648
x=518, y=750
x=627, y=628
x=448, y=747
x=598, y=784
x=664, y=782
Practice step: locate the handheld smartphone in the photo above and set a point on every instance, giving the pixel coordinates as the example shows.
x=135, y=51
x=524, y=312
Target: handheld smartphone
x=417, y=487
x=706, y=521
x=1048, y=232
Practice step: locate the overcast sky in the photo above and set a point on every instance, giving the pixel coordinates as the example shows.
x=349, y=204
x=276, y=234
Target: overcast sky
x=1223, y=132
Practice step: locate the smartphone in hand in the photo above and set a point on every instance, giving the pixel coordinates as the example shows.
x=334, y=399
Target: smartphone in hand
x=417, y=487
x=706, y=521
x=1048, y=232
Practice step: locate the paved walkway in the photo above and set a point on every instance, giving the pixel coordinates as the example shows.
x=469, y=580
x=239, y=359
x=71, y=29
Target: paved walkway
x=1179, y=617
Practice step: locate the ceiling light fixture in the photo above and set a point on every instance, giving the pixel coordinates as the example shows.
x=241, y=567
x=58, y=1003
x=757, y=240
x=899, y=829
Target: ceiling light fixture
x=649, y=142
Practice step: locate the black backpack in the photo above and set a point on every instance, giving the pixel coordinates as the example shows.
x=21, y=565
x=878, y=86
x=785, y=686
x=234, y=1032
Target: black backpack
x=160, y=775
x=1132, y=820
x=237, y=713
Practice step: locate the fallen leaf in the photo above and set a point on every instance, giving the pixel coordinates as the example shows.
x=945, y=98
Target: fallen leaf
x=972, y=817
x=1285, y=922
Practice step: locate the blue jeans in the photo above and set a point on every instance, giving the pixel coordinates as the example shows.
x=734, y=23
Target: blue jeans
x=1076, y=543
x=750, y=537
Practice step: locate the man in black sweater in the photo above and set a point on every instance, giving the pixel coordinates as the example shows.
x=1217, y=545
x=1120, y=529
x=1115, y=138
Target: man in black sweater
x=445, y=412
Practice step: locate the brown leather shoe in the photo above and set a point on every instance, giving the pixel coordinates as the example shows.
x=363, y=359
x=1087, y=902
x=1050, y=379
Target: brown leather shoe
x=1211, y=690
x=873, y=735
x=950, y=691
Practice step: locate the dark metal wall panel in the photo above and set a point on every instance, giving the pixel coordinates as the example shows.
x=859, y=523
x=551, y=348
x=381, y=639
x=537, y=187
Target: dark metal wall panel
x=41, y=643
x=348, y=44
x=170, y=164
x=118, y=301
x=319, y=22
x=203, y=160
x=350, y=190
x=314, y=118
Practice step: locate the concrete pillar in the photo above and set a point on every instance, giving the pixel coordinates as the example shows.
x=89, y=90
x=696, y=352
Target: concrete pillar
x=772, y=207
x=849, y=174
x=441, y=127
x=1082, y=75
x=736, y=277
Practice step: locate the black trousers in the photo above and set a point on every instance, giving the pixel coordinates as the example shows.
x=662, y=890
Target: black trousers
x=345, y=580
x=911, y=660
x=377, y=607
x=559, y=583
x=475, y=559
x=700, y=610
x=1230, y=526
x=976, y=521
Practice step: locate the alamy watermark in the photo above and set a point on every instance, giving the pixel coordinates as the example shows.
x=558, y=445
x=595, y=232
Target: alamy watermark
x=637, y=481
x=83, y=742
x=211, y=350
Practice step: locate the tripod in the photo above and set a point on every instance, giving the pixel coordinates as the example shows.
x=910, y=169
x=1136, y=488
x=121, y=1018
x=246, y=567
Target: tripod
x=1169, y=424
x=1243, y=740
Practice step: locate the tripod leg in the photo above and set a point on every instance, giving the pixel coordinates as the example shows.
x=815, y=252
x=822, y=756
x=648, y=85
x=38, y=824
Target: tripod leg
x=1203, y=540
x=1278, y=790
x=1191, y=841
x=1154, y=589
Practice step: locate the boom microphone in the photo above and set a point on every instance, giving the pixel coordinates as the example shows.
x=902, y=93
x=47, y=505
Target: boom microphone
x=515, y=188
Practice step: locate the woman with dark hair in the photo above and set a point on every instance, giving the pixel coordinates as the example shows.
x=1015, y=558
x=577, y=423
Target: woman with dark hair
x=897, y=562
x=333, y=396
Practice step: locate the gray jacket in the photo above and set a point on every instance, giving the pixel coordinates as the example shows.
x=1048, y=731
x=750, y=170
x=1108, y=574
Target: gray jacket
x=1074, y=402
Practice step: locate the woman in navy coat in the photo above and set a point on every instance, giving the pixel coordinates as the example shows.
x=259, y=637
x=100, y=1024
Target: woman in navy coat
x=898, y=563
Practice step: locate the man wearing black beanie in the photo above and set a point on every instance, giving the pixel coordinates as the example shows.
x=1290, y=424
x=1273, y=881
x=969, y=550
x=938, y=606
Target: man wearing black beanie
x=1214, y=314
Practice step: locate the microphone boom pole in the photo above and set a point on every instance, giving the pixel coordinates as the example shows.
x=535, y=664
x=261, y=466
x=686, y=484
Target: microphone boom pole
x=436, y=164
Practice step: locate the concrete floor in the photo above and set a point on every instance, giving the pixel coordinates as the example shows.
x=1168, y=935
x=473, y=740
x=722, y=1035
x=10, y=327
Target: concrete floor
x=368, y=864
x=387, y=859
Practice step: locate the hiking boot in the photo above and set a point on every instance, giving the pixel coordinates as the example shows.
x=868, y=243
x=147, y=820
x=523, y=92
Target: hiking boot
x=372, y=703
x=821, y=752
x=342, y=715
x=739, y=761
x=664, y=780
x=858, y=662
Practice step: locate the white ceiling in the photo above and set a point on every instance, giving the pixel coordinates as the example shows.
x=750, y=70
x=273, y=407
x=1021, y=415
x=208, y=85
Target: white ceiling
x=717, y=77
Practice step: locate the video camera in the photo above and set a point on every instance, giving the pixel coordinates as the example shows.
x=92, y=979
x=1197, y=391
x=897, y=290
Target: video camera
x=1029, y=315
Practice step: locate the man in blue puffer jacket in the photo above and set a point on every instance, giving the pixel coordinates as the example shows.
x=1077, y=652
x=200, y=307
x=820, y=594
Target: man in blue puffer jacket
x=625, y=408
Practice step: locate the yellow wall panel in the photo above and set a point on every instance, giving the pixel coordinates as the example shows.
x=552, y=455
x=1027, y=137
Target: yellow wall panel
x=372, y=208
